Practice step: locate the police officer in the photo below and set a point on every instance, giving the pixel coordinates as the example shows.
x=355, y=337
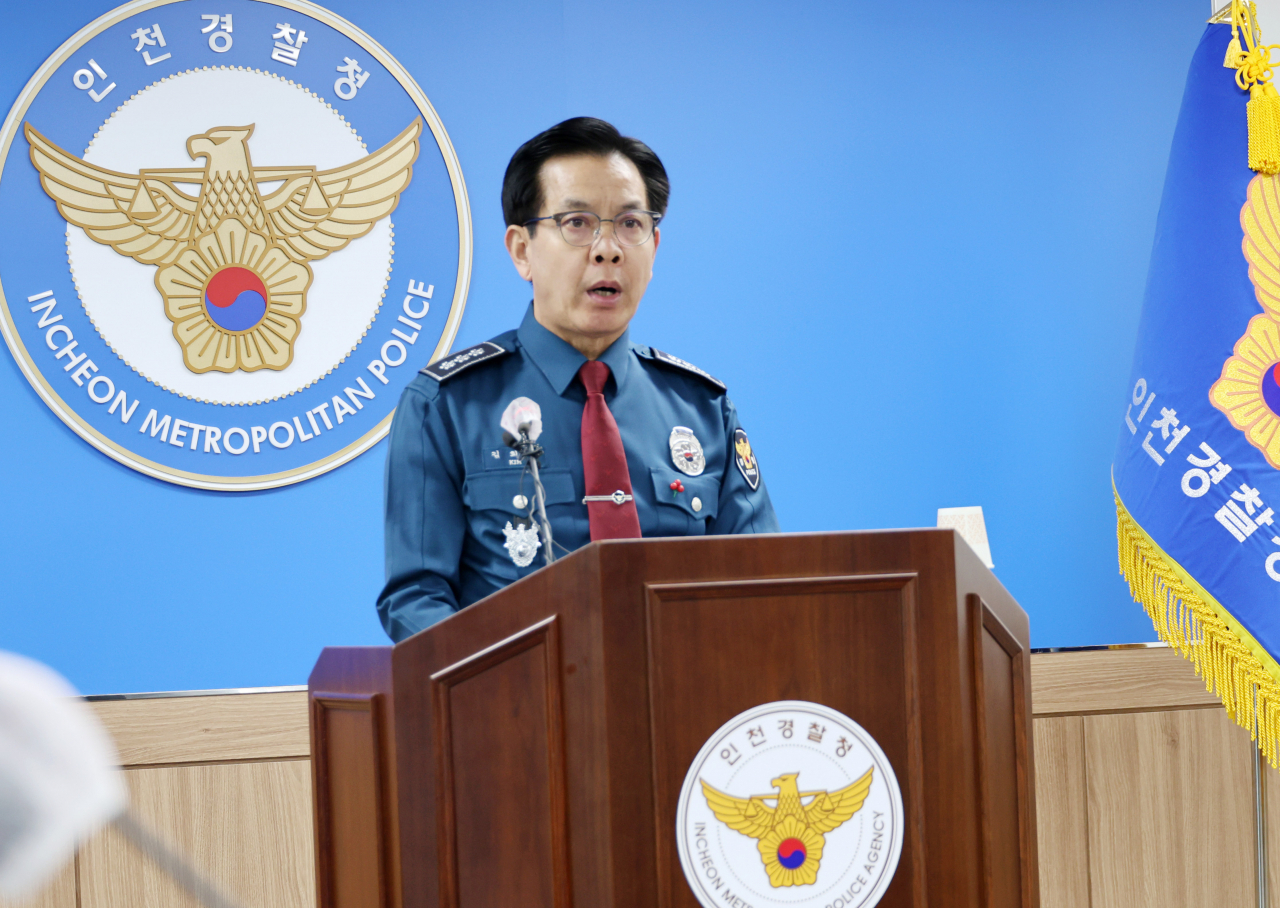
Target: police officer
x=637, y=442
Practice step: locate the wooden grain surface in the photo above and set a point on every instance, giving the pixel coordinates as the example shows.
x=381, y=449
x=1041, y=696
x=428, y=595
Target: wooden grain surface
x=1271, y=779
x=246, y=826
x=1170, y=806
x=1061, y=812
x=274, y=725
x=59, y=893
x=1119, y=680
x=208, y=729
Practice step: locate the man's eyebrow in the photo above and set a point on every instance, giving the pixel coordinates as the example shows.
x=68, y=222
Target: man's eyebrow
x=579, y=205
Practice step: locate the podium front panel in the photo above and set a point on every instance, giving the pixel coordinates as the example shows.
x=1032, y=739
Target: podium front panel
x=720, y=648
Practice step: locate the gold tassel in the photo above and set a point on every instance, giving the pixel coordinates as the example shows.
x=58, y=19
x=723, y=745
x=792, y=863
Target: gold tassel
x=1233, y=54
x=1191, y=625
x=1264, y=128
x=1253, y=73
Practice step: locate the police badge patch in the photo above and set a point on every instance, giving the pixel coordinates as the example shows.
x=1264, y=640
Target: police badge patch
x=745, y=459
x=201, y=273
x=522, y=543
x=686, y=452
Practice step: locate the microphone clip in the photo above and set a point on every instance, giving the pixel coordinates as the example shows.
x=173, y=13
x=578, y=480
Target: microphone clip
x=528, y=449
x=524, y=447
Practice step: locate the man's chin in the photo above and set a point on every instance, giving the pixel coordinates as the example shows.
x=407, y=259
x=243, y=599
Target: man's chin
x=601, y=320
x=602, y=303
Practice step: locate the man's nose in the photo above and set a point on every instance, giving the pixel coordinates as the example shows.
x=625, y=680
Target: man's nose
x=606, y=247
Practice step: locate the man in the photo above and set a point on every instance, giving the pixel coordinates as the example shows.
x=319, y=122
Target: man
x=637, y=442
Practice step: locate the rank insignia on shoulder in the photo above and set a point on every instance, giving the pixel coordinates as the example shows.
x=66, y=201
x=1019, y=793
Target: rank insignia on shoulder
x=464, y=359
x=746, y=459
x=686, y=366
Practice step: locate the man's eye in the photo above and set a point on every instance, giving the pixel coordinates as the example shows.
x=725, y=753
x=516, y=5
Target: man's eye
x=631, y=223
x=576, y=223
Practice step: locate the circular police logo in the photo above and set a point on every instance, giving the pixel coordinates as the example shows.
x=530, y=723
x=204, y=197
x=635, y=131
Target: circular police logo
x=228, y=239
x=790, y=803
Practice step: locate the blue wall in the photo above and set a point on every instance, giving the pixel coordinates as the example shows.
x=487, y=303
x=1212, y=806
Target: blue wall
x=914, y=249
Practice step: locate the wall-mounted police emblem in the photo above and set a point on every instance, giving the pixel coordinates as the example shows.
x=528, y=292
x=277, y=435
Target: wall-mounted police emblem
x=227, y=242
x=522, y=543
x=686, y=452
x=745, y=458
x=790, y=804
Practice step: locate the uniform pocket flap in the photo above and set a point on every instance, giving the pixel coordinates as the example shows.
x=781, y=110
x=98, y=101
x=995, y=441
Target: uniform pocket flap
x=496, y=489
x=699, y=499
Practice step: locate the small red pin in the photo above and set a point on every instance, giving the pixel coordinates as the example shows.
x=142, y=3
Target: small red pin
x=677, y=487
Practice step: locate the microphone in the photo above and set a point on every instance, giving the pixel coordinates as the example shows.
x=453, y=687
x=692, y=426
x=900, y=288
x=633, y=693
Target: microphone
x=522, y=416
x=521, y=425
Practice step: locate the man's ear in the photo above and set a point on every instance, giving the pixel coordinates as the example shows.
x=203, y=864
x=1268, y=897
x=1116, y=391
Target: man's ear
x=517, y=241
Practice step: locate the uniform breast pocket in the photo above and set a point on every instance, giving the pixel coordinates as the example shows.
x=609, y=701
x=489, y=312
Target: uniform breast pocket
x=684, y=513
x=501, y=490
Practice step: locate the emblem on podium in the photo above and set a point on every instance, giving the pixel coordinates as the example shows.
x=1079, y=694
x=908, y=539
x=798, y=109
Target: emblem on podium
x=790, y=804
x=229, y=241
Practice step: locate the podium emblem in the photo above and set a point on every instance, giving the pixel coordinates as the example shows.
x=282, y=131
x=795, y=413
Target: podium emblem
x=790, y=804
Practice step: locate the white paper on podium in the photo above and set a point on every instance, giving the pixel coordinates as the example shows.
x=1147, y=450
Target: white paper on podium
x=971, y=526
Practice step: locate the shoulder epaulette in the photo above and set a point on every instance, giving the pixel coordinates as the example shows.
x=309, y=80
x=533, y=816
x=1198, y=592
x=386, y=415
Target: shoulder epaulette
x=463, y=360
x=676, y=362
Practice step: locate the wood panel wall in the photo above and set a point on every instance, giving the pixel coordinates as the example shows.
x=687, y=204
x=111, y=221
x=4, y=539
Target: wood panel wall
x=1143, y=788
x=226, y=780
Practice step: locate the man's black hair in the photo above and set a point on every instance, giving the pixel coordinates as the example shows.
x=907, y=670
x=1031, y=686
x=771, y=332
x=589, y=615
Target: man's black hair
x=522, y=185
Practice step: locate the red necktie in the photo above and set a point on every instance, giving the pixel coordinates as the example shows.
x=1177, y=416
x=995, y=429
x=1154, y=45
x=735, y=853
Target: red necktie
x=610, y=507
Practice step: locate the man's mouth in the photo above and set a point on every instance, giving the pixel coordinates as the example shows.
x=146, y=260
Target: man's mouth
x=605, y=291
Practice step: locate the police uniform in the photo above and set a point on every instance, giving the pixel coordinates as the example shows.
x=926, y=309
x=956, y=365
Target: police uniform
x=453, y=485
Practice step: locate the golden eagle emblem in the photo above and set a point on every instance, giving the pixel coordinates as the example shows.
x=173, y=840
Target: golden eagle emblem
x=232, y=263
x=791, y=834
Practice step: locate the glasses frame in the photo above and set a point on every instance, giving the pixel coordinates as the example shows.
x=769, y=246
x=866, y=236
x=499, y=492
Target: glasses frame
x=559, y=219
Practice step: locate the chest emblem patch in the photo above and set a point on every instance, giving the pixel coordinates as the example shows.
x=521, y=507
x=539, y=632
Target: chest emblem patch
x=522, y=543
x=686, y=452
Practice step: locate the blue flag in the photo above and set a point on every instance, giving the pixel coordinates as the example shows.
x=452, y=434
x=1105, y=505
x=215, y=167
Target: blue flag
x=1197, y=469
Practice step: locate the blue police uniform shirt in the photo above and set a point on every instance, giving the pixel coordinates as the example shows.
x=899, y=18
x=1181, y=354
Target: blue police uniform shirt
x=452, y=485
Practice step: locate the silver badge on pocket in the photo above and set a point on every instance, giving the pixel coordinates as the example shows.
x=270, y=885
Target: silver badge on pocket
x=522, y=543
x=686, y=452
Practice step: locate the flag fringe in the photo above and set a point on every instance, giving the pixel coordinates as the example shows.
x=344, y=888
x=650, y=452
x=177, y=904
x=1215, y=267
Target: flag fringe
x=1189, y=621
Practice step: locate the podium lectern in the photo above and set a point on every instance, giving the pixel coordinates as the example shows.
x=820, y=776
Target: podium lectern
x=530, y=750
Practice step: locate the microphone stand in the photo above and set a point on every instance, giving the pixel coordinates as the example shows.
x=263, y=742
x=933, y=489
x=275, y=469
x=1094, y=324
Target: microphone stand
x=530, y=453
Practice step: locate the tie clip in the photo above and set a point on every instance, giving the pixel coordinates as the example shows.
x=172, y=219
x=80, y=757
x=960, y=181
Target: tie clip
x=618, y=497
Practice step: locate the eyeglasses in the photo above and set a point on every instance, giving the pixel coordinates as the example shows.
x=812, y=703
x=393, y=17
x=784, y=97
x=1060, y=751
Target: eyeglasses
x=581, y=228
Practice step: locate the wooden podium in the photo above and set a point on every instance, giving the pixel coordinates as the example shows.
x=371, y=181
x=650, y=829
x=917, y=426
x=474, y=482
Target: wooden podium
x=529, y=751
